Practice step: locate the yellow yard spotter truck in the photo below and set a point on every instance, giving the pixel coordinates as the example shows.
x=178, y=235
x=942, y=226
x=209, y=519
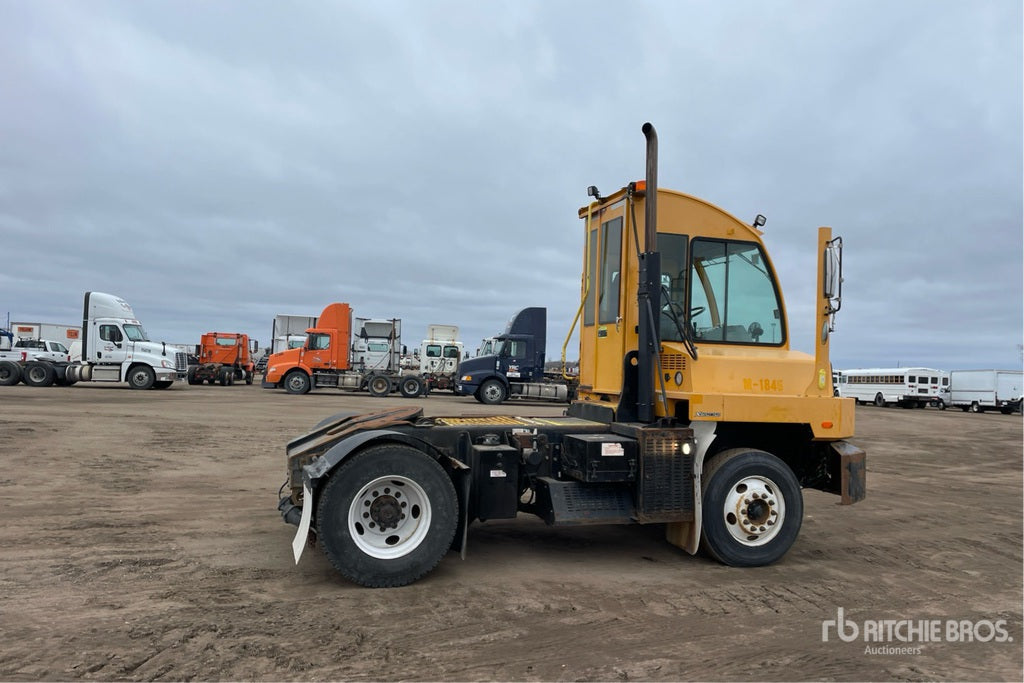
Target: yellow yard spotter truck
x=693, y=412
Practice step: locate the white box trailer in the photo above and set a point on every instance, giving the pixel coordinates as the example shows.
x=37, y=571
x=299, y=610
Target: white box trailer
x=65, y=334
x=981, y=390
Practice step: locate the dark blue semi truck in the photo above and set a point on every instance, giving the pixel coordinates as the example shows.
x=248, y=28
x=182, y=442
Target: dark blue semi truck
x=517, y=367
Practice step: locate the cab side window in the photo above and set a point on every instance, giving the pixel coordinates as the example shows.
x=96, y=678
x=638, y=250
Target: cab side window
x=110, y=333
x=514, y=349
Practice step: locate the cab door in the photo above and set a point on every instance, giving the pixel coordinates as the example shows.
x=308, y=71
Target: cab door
x=111, y=346
x=609, y=315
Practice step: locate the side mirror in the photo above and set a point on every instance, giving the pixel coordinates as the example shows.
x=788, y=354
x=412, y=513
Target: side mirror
x=832, y=284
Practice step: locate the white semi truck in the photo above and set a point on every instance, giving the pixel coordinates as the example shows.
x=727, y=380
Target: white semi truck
x=440, y=354
x=114, y=348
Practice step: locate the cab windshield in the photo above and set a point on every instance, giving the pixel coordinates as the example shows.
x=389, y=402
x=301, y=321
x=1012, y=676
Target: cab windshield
x=135, y=333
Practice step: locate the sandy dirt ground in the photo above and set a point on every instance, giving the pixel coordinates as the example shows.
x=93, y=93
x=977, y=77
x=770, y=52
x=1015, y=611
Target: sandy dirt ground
x=141, y=541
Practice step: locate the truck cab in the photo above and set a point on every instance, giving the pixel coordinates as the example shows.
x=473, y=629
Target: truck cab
x=326, y=350
x=116, y=348
x=517, y=357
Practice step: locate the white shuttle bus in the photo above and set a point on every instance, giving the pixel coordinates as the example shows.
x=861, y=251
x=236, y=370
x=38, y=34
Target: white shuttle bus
x=905, y=387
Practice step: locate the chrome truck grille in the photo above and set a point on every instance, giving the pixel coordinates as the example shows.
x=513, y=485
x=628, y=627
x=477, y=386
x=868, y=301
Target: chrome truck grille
x=181, y=363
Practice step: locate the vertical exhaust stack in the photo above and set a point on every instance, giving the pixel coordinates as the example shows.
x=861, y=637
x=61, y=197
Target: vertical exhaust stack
x=649, y=290
x=651, y=205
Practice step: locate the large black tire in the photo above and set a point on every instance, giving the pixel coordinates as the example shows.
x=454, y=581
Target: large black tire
x=976, y=408
x=879, y=401
x=223, y=376
x=10, y=373
x=191, y=376
x=141, y=377
x=752, y=508
x=411, y=387
x=492, y=392
x=36, y=374
x=387, y=516
x=297, y=382
x=379, y=386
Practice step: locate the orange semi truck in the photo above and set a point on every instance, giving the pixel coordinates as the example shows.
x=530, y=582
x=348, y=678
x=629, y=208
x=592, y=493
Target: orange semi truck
x=335, y=357
x=224, y=357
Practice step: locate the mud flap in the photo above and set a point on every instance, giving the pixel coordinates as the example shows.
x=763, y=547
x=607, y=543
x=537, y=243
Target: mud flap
x=847, y=467
x=460, y=474
x=302, y=533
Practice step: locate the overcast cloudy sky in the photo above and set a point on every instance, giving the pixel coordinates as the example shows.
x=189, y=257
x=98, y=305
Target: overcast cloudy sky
x=217, y=163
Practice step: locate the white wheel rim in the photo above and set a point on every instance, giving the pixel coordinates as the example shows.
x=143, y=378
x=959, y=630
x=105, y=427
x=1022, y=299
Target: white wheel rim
x=754, y=511
x=492, y=392
x=389, y=517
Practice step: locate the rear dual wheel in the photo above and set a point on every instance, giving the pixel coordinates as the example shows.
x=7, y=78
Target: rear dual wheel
x=410, y=387
x=379, y=386
x=387, y=516
x=10, y=373
x=36, y=374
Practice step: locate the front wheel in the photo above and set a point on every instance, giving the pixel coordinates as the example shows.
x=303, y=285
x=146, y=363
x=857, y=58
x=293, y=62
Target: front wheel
x=141, y=377
x=296, y=382
x=752, y=508
x=387, y=516
x=492, y=392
